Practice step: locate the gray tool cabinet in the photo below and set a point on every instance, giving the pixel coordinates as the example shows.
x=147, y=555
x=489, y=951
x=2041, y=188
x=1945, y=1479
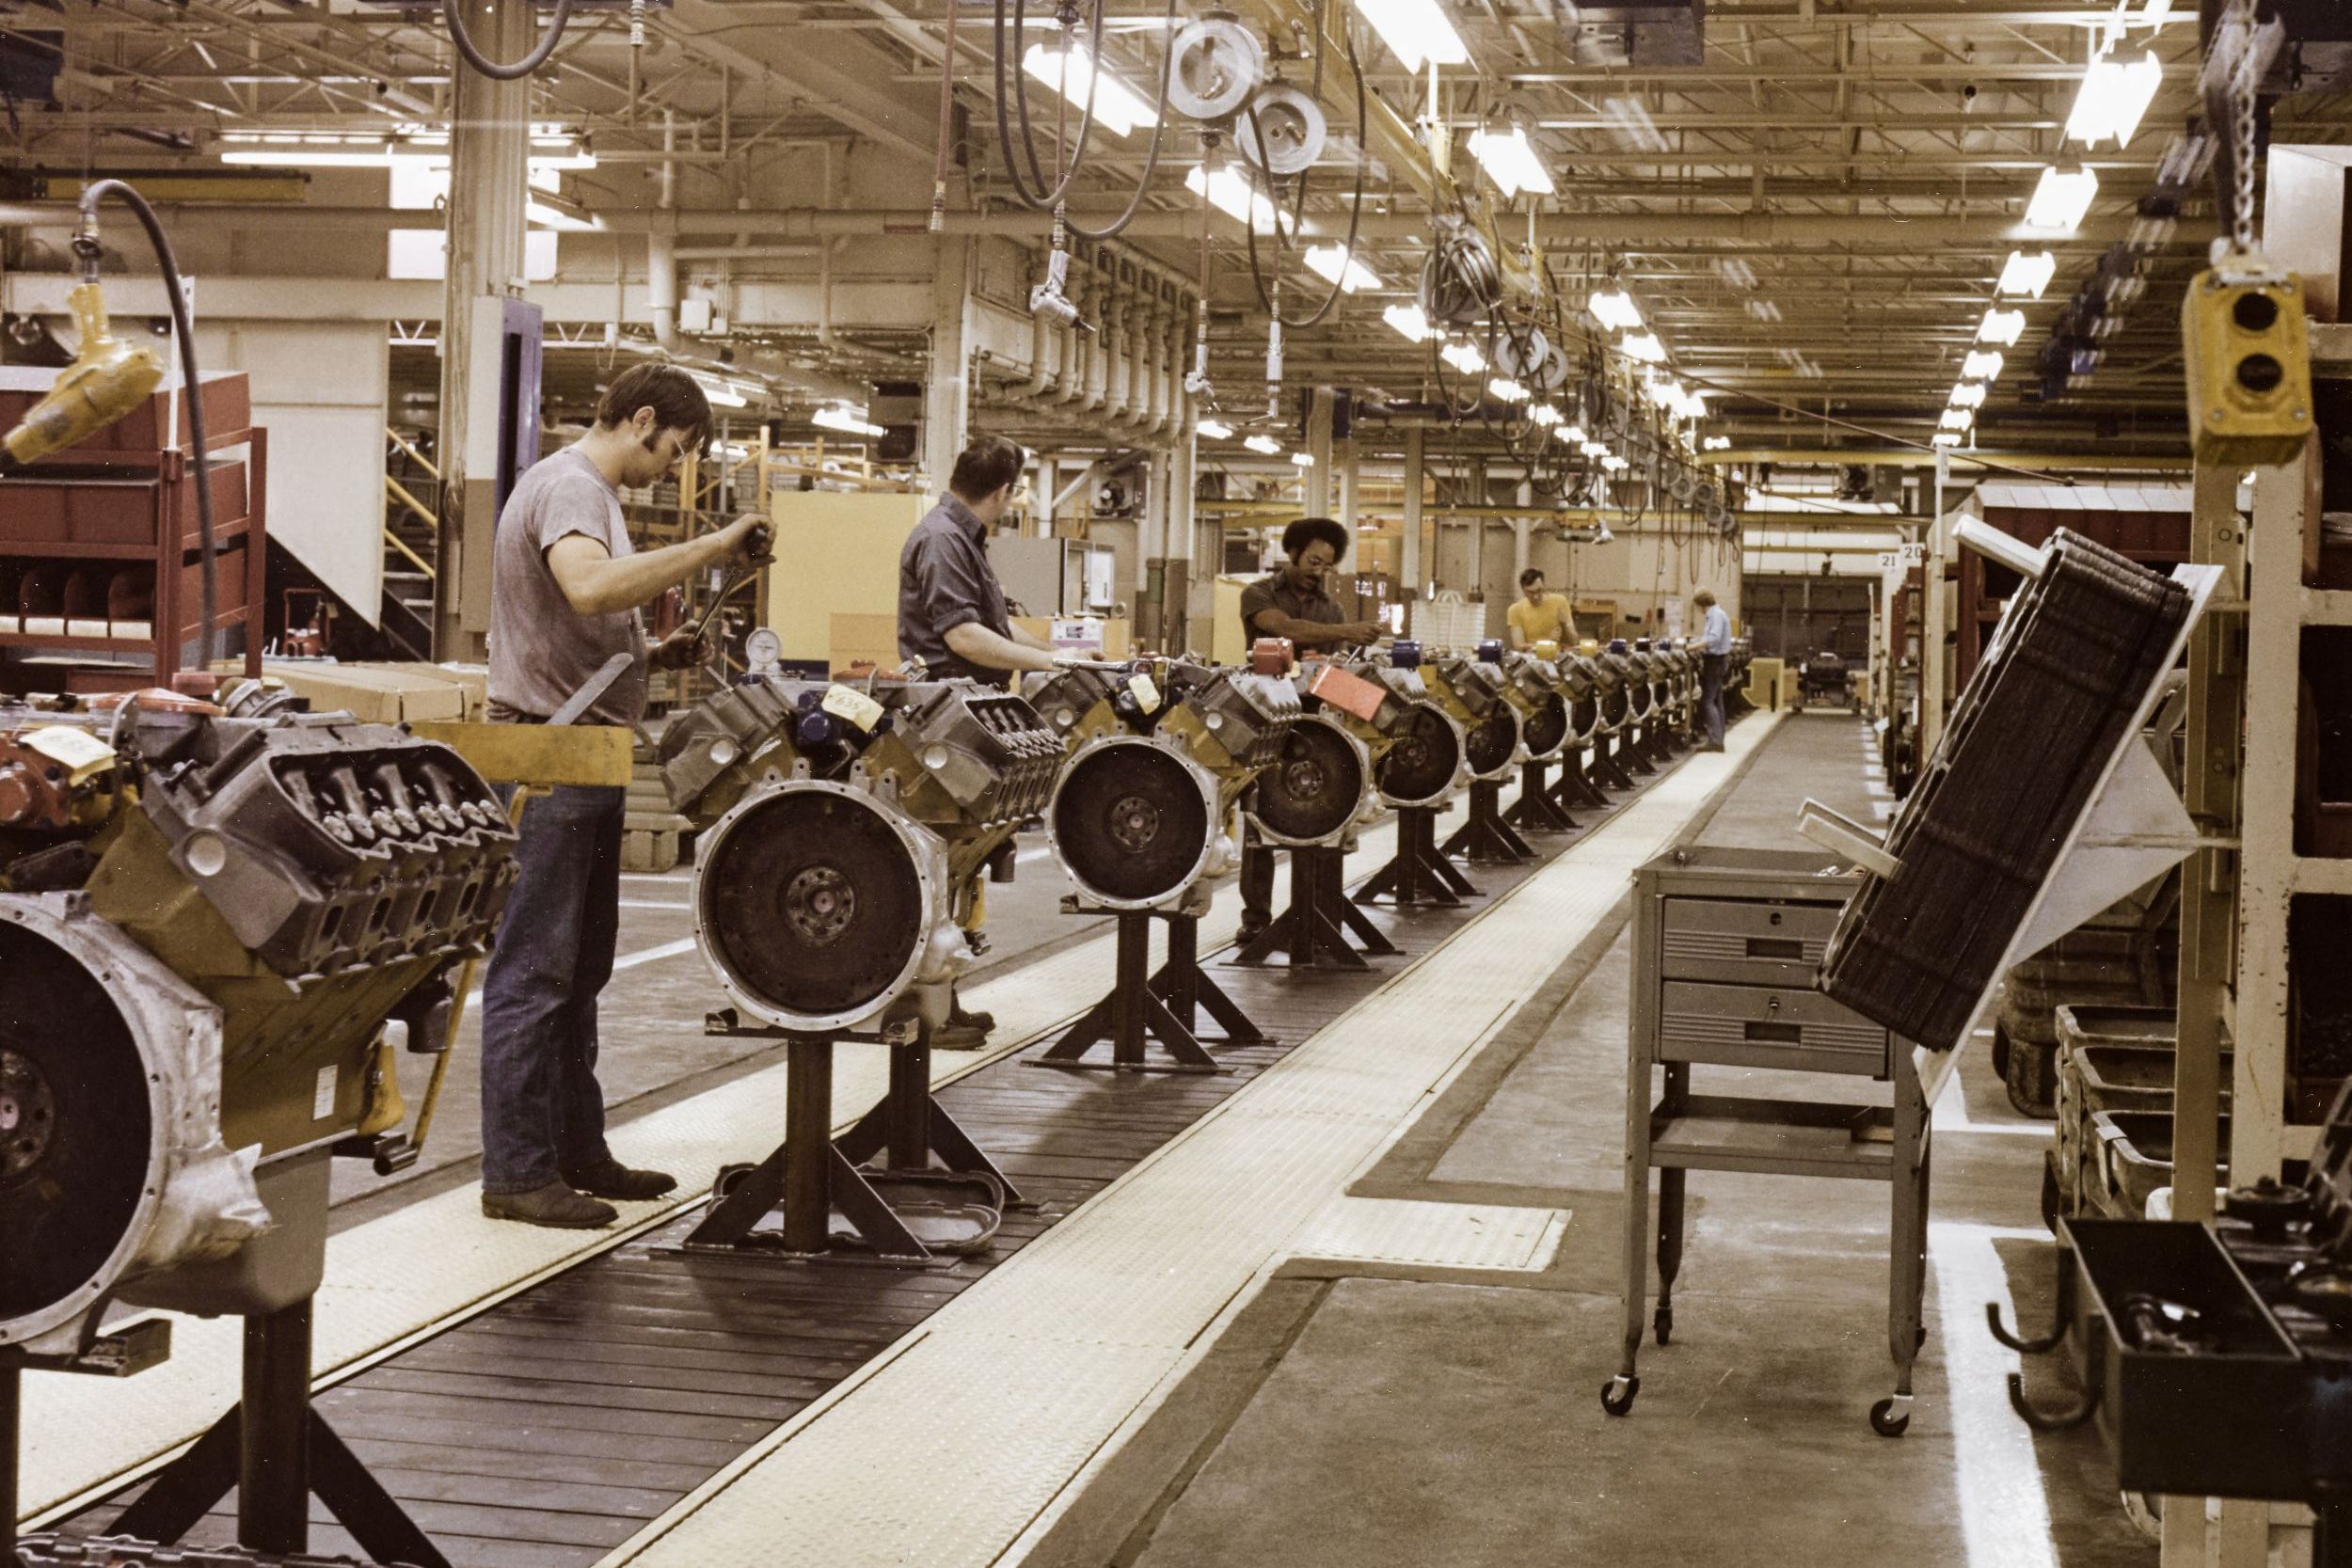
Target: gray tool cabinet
x=1727, y=947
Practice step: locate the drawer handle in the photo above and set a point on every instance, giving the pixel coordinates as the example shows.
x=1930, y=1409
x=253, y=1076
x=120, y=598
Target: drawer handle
x=1775, y=947
x=1777, y=1034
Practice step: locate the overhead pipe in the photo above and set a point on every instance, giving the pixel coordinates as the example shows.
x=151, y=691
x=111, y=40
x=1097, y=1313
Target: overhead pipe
x=1785, y=230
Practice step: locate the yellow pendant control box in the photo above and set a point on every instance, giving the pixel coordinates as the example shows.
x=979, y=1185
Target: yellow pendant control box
x=2247, y=358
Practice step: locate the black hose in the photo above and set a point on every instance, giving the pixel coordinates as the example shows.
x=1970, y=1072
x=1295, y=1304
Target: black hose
x=1152, y=154
x=520, y=68
x=1355, y=215
x=1038, y=196
x=186, y=330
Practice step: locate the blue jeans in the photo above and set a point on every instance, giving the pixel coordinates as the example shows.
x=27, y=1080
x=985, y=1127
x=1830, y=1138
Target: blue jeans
x=542, y=1109
x=1712, y=668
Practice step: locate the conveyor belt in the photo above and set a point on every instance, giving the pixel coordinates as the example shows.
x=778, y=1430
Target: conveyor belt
x=549, y=1429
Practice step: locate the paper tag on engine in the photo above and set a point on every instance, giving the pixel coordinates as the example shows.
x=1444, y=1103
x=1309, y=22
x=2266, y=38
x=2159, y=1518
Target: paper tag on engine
x=81, y=754
x=1146, y=694
x=853, y=706
x=322, y=1094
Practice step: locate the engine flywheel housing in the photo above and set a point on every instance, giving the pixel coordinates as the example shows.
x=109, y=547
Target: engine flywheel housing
x=1420, y=769
x=1133, y=822
x=1312, y=793
x=1546, y=728
x=1493, y=742
x=811, y=905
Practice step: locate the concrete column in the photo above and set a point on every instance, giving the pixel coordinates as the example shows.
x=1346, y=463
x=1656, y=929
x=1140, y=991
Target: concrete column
x=489, y=184
x=1183, y=471
x=1152, y=526
x=1318, y=497
x=947, y=392
x=1041, y=499
x=1409, y=557
x=1931, y=612
x=1345, y=457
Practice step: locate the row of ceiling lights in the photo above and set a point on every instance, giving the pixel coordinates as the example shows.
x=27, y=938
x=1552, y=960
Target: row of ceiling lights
x=2112, y=100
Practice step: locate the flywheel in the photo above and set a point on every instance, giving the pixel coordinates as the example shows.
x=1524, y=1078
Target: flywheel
x=813, y=903
x=1546, y=728
x=1421, y=767
x=1493, y=742
x=1132, y=822
x=1312, y=792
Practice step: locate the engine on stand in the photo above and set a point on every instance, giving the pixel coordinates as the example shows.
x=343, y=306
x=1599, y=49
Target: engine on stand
x=211, y=910
x=1145, y=820
x=838, y=889
x=1546, y=698
x=1428, y=765
x=1311, y=804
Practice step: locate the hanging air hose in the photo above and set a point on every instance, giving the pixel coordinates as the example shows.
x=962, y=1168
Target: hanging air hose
x=85, y=246
x=1270, y=298
x=1459, y=282
x=1031, y=187
x=538, y=55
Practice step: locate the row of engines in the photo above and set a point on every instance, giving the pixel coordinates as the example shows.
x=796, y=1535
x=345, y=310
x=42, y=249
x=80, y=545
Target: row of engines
x=847, y=829
x=209, y=911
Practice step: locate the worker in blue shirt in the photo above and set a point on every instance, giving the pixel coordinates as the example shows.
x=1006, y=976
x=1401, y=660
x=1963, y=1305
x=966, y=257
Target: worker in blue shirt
x=1714, y=663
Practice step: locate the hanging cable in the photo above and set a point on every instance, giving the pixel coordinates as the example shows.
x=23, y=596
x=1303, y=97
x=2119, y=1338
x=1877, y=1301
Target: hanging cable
x=85, y=246
x=516, y=71
x=947, y=121
x=1355, y=210
x=1033, y=189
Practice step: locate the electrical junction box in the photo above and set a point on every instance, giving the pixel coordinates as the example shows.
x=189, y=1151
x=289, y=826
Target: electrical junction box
x=2247, y=360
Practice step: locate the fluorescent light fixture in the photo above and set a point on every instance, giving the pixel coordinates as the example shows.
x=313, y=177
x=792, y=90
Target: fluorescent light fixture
x=1572, y=434
x=1408, y=320
x=1688, y=404
x=1415, y=31
x=2114, y=96
x=1593, y=448
x=2025, y=277
x=1510, y=161
x=1616, y=308
x=1957, y=419
x=1326, y=261
x=1216, y=430
x=1507, y=389
x=1464, y=357
x=1946, y=438
x=1614, y=464
x=1968, y=394
x=1265, y=444
x=1665, y=392
x=2061, y=200
x=1543, y=413
x=1716, y=443
x=2001, y=326
x=850, y=419
x=1645, y=347
x=1301, y=459
x=1763, y=311
x=1982, y=364
x=1233, y=195
x=1117, y=106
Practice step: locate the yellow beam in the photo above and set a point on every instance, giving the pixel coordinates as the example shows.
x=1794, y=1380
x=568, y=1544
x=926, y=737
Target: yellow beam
x=414, y=455
x=538, y=756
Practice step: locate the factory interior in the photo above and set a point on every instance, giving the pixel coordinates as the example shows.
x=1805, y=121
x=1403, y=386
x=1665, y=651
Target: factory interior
x=1157, y=783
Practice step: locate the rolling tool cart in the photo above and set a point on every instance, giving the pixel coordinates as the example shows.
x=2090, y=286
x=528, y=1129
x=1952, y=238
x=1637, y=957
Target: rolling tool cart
x=1727, y=947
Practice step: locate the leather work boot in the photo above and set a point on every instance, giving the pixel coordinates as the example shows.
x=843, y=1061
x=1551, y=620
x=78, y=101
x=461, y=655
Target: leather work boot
x=964, y=1030
x=617, y=1181
x=554, y=1205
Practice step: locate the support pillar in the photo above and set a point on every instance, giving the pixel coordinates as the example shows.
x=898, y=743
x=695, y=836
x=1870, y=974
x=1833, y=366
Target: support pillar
x=1317, y=501
x=1183, y=469
x=946, y=385
x=489, y=184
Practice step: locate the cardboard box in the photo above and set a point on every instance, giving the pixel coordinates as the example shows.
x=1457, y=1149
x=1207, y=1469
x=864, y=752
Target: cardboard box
x=473, y=680
x=382, y=694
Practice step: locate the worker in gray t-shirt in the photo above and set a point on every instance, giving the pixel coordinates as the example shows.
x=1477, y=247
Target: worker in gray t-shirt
x=565, y=589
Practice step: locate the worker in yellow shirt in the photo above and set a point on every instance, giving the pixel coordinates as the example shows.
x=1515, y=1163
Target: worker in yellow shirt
x=1536, y=617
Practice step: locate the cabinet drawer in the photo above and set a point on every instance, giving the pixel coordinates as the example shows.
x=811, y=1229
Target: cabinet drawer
x=1744, y=941
x=1770, y=1026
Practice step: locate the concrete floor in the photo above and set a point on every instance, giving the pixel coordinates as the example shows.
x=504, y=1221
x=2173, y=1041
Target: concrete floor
x=1355, y=1415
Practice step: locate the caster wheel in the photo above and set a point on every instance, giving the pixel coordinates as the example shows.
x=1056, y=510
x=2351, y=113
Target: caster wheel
x=1663, y=1323
x=2053, y=1200
x=728, y=1178
x=1889, y=1421
x=2000, y=1052
x=1616, y=1394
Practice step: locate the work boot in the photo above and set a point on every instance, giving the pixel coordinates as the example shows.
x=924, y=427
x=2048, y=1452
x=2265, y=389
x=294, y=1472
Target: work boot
x=554, y=1205
x=615, y=1180
x=964, y=1030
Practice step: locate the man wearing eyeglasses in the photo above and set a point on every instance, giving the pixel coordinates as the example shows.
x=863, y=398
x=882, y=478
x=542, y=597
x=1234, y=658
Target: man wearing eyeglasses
x=1292, y=602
